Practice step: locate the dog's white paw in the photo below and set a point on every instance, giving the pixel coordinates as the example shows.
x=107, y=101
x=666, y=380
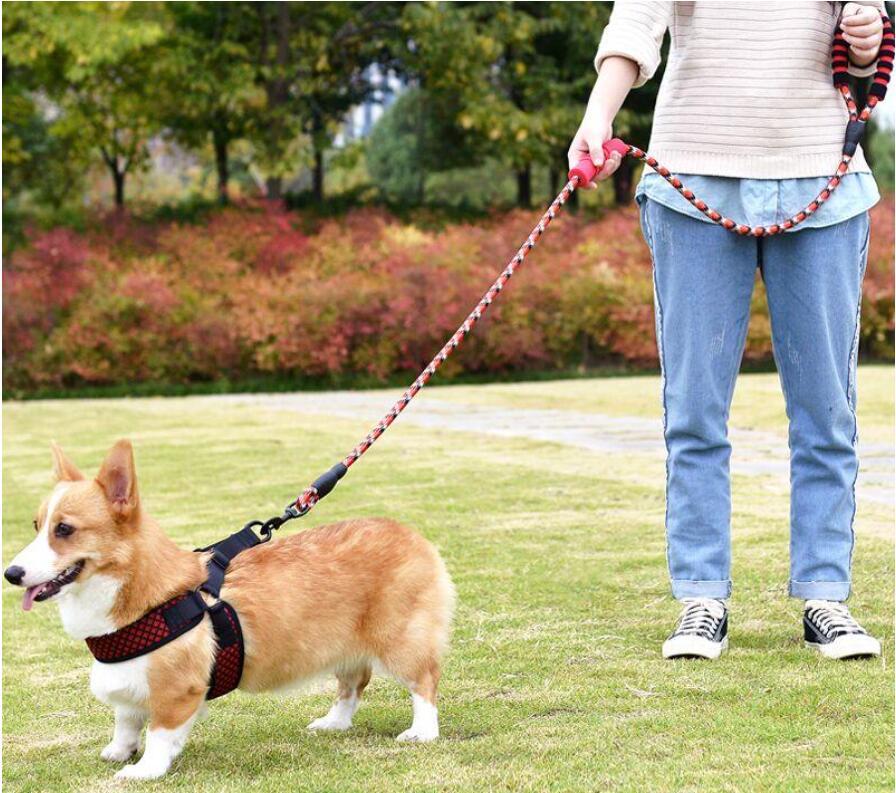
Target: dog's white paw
x=330, y=723
x=418, y=735
x=140, y=771
x=118, y=752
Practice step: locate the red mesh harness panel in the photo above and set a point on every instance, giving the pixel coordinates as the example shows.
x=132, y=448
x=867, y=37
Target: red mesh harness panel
x=153, y=630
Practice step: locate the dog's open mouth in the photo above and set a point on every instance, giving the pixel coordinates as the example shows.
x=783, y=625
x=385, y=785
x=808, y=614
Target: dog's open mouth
x=52, y=587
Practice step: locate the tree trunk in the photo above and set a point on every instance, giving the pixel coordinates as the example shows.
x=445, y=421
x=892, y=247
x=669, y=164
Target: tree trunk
x=553, y=182
x=274, y=185
x=524, y=187
x=622, y=182
x=275, y=27
x=317, y=186
x=118, y=178
x=223, y=166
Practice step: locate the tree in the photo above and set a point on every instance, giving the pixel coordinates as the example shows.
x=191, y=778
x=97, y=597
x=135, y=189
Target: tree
x=210, y=91
x=518, y=74
x=37, y=164
x=413, y=134
x=312, y=61
x=93, y=63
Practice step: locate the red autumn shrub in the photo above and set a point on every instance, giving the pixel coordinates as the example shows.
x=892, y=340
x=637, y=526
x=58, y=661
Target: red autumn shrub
x=877, y=289
x=263, y=290
x=38, y=286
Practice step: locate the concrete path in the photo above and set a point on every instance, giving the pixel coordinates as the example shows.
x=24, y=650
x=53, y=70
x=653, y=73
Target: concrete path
x=755, y=453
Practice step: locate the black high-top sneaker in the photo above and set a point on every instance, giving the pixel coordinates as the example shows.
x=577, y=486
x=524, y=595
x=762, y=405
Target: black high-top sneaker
x=830, y=628
x=702, y=630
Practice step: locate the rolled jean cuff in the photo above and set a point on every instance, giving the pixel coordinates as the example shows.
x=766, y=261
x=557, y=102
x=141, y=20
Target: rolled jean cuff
x=701, y=589
x=819, y=590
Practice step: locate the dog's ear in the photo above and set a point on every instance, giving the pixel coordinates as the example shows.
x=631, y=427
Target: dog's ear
x=118, y=479
x=63, y=468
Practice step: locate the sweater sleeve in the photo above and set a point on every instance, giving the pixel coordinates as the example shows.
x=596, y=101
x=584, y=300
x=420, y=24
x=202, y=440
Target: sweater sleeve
x=635, y=31
x=863, y=71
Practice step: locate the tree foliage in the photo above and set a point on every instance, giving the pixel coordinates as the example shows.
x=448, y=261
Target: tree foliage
x=518, y=73
x=211, y=94
x=91, y=83
x=94, y=64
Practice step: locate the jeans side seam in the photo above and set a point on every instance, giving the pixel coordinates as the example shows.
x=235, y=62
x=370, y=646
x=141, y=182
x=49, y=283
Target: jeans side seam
x=851, y=386
x=658, y=329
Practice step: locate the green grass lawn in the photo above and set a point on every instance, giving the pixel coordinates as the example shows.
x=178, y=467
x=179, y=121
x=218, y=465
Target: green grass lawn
x=554, y=681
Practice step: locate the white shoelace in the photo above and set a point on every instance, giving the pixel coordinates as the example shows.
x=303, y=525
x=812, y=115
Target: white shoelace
x=832, y=617
x=700, y=616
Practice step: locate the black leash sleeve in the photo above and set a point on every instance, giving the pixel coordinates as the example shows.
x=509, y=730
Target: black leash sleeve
x=326, y=482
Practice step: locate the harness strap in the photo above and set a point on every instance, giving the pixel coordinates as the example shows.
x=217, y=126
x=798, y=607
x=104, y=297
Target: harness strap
x=228, y=668
x=153, y=630
x=223, y=553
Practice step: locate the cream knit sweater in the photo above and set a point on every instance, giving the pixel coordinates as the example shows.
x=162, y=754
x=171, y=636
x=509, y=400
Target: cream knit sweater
x=747, y=90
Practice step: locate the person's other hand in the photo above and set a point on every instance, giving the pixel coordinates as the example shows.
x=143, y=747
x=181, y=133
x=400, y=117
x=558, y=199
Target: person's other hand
x=588, y=142
x=863, y=30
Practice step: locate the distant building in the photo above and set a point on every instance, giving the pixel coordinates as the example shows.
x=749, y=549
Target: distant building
x=361, y=119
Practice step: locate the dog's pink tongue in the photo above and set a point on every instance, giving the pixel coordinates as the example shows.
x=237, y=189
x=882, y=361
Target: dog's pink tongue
x=28, y=598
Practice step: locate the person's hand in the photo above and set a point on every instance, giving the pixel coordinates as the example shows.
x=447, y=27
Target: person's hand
x=863, y=31
x=588, y=142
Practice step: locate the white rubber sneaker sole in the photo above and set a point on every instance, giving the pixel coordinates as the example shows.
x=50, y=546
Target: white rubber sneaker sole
x=686, y=646
x=849, y=646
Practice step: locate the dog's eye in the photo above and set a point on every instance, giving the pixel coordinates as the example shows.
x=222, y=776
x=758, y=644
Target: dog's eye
x=64, y=530
x=34, y=523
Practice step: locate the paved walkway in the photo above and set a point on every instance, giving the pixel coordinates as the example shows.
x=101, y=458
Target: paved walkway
x=756, y=453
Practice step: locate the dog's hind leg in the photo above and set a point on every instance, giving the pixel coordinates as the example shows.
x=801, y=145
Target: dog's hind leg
x=423, y=685
x=352, y=683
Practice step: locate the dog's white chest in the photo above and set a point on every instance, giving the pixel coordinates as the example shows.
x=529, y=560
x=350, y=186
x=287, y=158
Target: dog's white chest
x=84, y=609
x=124, y=684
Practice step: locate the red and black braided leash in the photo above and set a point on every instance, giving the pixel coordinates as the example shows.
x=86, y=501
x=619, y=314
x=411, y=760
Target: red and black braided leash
x=583, y=174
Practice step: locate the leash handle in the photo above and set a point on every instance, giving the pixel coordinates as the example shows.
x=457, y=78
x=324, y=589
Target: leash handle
x=586, y=170
x=881, y=79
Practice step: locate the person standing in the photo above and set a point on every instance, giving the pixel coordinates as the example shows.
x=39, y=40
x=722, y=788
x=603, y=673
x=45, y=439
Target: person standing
x=747, y=117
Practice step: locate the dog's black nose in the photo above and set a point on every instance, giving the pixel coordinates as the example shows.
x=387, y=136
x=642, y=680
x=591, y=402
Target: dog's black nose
x=14, y=574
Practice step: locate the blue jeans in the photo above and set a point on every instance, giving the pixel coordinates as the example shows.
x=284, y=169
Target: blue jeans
x=703, y=282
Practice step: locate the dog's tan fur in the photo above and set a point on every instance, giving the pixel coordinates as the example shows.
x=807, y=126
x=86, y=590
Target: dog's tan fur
x=335, y=598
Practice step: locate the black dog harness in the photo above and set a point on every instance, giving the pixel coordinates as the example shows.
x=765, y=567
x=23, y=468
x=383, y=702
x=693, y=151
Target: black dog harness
x=183, y=613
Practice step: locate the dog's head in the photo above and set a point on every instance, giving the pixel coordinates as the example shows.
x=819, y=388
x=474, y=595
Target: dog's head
x=85, y=525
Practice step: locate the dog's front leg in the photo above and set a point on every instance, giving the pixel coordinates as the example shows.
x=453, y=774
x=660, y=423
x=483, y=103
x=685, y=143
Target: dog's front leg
x=126, y=736
x=165, y=740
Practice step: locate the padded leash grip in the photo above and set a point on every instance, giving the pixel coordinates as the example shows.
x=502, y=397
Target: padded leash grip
x=326, y=482
x=881, y=79
x=586, y=170
x=854, y=132
x=884, y=62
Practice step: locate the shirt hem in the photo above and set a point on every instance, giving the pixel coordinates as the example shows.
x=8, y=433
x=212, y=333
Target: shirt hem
x=754, y=166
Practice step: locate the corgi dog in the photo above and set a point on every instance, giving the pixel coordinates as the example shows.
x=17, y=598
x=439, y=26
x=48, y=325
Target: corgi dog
x=338, y=599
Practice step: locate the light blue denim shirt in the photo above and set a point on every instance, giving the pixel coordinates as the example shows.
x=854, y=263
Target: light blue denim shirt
x=763, y=202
